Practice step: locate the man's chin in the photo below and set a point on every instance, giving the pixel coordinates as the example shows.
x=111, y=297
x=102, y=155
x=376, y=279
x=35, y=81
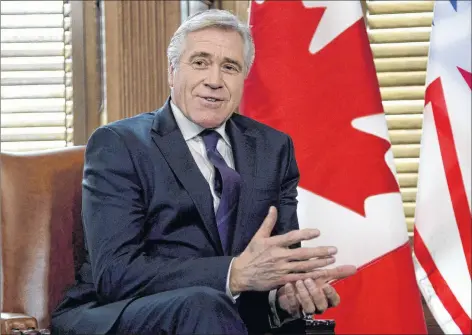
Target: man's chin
x=210, y=122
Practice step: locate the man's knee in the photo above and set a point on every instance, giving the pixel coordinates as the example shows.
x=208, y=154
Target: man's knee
x=215, y=308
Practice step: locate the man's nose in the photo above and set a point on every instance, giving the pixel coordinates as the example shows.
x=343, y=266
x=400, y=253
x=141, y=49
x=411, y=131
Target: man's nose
x=214, y=80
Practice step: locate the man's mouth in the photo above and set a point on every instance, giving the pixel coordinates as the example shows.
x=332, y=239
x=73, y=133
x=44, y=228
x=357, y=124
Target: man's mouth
x=211, y=99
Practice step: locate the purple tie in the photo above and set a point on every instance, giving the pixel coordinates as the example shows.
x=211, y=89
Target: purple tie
x=227, y=187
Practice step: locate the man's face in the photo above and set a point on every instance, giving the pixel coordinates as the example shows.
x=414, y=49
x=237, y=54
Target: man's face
x=208, y=83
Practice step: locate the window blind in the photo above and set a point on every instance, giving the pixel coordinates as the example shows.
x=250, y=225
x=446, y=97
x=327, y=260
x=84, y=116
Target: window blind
x=36, y=75
x=399, y=33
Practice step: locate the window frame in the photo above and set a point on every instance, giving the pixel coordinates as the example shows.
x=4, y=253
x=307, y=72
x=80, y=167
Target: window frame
x=86, y=68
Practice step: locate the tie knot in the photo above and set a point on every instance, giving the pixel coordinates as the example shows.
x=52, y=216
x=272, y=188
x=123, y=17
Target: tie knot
x=210, y=138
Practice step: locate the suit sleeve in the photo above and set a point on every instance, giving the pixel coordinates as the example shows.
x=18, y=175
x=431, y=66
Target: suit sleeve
x=254, y=306
x=287, y=211
x=114, y=214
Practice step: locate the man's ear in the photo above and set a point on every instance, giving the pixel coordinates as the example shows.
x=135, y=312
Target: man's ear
x=170, y=77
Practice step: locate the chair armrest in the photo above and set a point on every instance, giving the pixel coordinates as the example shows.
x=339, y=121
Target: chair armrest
x=11, y=321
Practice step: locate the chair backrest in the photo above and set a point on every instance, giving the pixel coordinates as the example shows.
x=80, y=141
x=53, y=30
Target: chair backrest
x=41, y=230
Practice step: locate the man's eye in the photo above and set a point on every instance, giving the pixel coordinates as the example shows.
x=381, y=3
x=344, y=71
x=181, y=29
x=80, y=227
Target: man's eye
x=230, y=68
x=199, y=64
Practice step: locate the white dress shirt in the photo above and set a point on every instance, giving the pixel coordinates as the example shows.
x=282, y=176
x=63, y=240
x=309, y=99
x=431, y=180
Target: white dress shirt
x=190, y=132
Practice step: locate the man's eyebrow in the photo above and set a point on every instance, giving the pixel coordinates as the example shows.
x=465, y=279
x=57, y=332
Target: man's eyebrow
x=200, y=54
x=208, y=56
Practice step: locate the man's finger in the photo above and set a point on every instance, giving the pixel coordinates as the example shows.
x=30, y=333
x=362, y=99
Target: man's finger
x=317, y=295
x=300, y=254
x=340, y=272
x=324, y=276
x=319, y=276
x=268, y=224
x=304, y=298
x=309, y=265
x=331, y=295
x=294, y=236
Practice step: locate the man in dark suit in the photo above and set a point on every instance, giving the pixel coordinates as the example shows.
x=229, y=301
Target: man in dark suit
x=189, y=212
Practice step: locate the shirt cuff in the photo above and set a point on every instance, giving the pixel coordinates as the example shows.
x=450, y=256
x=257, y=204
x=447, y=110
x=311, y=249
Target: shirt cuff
x=276, y=320
x=228, y=291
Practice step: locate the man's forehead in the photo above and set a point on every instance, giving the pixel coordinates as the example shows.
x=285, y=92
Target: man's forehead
x=214, y=33
x=214, y=41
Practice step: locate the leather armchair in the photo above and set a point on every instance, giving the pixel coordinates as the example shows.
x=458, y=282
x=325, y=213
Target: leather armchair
x=41, y=237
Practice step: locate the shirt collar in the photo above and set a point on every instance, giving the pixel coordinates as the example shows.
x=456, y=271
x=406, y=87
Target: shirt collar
x=190, y=129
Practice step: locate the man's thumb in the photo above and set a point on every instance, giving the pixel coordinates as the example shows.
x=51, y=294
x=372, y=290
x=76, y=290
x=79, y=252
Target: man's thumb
x=268, y=224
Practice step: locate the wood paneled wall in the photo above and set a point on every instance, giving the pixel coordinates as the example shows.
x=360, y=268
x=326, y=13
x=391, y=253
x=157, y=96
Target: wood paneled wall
x=237, y=7
x=136, y=39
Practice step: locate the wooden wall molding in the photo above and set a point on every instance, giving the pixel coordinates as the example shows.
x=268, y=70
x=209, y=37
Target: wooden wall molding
x=86, y=79
x=136, y=39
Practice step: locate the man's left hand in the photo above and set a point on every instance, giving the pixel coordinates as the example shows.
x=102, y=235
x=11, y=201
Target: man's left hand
x=313, y=295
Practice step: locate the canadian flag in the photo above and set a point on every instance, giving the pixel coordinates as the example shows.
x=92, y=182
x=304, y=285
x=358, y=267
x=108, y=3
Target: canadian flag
x=442, y=240
x=314, y=79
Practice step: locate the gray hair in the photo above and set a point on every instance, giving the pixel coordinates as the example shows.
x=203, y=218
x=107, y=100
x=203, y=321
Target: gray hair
x=212, y=18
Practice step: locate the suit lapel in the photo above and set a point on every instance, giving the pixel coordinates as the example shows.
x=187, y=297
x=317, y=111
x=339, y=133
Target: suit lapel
x=171, y=143
x=243, y=145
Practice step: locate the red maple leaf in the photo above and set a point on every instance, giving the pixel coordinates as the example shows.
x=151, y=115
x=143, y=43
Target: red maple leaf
x=315, y=98
x=467, y=75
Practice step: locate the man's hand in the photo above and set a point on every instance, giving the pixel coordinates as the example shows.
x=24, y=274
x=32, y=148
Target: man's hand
x=267, y=262
x=313, y=296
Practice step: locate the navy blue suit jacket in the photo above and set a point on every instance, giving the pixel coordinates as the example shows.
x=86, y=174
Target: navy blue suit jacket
x=149, y=220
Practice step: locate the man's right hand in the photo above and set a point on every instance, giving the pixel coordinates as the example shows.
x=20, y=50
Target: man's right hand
x=268, y=262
